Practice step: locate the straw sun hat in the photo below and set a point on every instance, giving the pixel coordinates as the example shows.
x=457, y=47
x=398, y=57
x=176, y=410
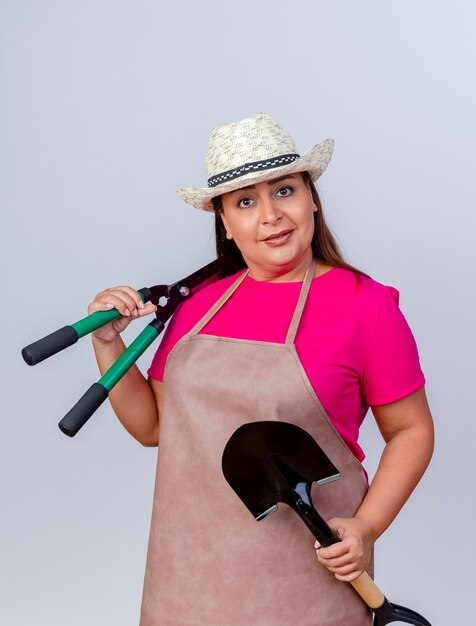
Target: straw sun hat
x=251, y=151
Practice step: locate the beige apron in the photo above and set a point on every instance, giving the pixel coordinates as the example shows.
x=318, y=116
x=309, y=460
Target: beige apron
x=209, y=562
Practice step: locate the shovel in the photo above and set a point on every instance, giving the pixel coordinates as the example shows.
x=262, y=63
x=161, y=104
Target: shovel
x=270, y=462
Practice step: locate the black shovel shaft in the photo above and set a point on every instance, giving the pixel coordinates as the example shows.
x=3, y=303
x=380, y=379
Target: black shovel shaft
x=318, y=527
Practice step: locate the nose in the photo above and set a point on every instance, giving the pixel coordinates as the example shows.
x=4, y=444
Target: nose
x=269, y=211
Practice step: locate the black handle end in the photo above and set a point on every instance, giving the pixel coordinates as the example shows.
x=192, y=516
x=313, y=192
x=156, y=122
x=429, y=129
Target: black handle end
x=49, y=345
x=75, y=419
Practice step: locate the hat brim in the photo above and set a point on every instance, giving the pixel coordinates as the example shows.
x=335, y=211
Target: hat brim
x=313, y=161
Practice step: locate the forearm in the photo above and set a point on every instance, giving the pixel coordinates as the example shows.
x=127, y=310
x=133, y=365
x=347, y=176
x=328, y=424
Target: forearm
x=132, y=398
x=403, y=462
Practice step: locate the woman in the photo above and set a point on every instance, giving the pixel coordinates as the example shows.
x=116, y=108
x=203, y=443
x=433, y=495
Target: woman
x=289, y=332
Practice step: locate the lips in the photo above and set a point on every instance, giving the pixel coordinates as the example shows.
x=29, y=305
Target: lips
x=277, y=235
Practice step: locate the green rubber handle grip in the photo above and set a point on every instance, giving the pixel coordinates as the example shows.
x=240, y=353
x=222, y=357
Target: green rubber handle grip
x=131, y=354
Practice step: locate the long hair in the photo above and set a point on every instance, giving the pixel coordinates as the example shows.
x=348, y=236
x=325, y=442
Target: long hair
x=324, y=245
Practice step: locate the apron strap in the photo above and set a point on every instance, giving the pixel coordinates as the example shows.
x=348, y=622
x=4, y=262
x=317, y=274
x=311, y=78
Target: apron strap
x=218, y=304
x=306, y=285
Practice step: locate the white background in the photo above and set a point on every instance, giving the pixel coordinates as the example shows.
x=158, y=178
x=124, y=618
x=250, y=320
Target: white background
x=105, y=109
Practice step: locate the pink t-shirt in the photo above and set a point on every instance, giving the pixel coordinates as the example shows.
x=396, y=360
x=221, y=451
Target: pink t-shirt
x=353, y=341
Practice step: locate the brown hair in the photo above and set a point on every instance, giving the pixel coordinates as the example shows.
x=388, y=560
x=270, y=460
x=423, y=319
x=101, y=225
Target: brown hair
x=324, y=245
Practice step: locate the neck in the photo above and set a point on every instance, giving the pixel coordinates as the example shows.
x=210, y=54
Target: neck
x=282, y=273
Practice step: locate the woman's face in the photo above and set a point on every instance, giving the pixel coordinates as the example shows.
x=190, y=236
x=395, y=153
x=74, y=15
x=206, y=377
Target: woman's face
x=272, y=223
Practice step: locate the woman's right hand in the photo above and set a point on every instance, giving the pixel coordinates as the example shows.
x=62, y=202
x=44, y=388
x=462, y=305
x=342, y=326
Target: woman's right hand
x=129, y=304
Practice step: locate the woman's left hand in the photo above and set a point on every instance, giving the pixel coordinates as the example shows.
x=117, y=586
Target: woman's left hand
x=350, y=557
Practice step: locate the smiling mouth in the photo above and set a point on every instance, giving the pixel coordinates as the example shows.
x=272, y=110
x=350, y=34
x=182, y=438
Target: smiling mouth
x=278, y=236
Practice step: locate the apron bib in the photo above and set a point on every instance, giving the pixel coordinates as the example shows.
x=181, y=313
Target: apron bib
x=209, y=563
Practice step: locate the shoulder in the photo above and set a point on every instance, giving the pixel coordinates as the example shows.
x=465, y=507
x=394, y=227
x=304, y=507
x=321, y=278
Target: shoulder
x=357, y=287
x=352, y=298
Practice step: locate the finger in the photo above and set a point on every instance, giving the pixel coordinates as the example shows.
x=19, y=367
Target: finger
x=338, y=565
x=148, y=309
x=109, y=302
x=120, y=300
x=334, y=551
x=347, y=578
x=343, y=561
x=126, y=297
x=120, y=324
x=99, y=306
x=346, y=570
x=138, y=302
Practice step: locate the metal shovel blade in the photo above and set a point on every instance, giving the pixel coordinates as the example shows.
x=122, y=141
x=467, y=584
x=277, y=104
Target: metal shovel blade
x=270, y=462
x=255, y=458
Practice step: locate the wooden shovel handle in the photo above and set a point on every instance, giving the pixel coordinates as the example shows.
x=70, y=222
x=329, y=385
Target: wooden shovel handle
x=368, y=591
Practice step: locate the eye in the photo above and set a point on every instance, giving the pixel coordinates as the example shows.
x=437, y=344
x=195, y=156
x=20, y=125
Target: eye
x=285, y=191
x=244, y=203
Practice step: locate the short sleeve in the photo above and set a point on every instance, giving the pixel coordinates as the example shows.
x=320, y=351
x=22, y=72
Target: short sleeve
x=392, y=366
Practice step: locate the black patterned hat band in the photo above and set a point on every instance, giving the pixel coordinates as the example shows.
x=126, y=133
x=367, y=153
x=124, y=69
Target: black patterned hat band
x=257, y=166
x=250, y=151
